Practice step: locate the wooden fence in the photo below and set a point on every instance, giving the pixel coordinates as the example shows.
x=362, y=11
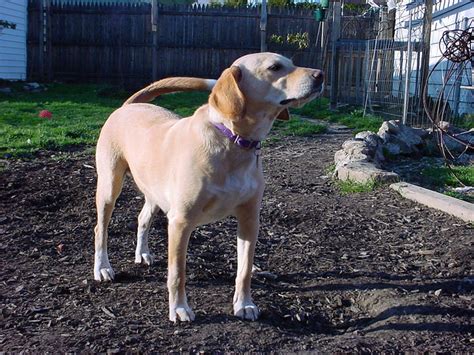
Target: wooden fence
x=116, y=43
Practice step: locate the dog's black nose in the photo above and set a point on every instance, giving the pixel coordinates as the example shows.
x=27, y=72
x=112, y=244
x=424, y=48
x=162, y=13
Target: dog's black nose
x=318, y=75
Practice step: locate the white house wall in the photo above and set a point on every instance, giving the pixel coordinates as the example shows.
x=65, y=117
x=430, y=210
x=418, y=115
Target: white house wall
x=13, y=42
x=447, y=15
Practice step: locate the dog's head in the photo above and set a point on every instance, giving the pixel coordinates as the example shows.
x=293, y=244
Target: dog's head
x=263, y=86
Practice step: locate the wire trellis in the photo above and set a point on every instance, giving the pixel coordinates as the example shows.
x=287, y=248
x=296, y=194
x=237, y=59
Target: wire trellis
x=394, y=73
x=456, y=47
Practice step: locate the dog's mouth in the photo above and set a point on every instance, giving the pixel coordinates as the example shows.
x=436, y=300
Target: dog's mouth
x=302, y=100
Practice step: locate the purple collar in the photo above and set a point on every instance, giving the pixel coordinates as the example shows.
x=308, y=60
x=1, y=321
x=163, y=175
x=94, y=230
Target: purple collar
x=241, y=142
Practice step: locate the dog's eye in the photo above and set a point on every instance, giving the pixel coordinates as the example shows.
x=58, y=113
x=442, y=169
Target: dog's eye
x=275, y=67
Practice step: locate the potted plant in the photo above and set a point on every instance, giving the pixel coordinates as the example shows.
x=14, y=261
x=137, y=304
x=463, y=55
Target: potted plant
x=324, y=3
x=319, y=12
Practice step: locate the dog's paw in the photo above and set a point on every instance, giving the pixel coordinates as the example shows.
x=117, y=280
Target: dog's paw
x=144, y=258
x=246, y=311
x=104, y=274
x=102, y=269
x=181, y=313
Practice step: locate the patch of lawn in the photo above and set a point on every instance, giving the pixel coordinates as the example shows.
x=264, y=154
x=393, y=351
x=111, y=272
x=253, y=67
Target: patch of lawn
x=319, y=109
x=442, y=176
x=348, y=187
x=183, y=103
x=297, y=127
x=79, y=111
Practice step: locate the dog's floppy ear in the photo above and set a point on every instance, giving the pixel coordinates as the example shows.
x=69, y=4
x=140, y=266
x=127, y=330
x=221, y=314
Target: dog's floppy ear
x=226, y=96
x=284, y=115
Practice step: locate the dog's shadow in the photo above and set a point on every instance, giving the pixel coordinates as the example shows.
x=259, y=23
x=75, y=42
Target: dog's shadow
x=139, y=274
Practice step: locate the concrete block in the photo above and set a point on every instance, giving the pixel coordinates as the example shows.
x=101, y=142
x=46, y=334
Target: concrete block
x=458, y=208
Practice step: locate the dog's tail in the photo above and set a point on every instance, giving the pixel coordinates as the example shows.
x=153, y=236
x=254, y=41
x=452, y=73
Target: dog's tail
x=169, y=85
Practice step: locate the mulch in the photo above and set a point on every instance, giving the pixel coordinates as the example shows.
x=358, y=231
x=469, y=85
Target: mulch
x=334, y=273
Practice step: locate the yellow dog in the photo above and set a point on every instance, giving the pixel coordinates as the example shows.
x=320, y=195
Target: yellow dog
x=201, y=168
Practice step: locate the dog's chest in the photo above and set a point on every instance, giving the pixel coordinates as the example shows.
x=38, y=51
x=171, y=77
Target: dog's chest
x=231, y=191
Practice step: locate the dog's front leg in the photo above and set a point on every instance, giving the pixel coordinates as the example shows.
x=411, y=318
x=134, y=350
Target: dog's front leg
x=179, y=232
x=248, y=218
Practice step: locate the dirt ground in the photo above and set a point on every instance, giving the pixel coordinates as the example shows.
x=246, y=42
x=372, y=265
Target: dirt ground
x=362, y=272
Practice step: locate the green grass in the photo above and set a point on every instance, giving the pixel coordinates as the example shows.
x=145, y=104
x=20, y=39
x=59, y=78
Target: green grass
x=79, y=112
x=348, y=187
x=297, y=127
x=442, y=179
x=183, y=103
x=442, y=176
x=319, y=109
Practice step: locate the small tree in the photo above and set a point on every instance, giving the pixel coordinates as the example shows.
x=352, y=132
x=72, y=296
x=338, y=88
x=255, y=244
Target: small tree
x=235, y=3
x=279, y=3
x=298, y=39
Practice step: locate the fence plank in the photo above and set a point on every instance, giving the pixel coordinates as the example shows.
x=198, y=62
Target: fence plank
x=116, y=44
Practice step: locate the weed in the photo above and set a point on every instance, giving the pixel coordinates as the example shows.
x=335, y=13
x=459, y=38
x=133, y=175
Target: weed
x=330, y=169
x=459, y=196
x=349, y=187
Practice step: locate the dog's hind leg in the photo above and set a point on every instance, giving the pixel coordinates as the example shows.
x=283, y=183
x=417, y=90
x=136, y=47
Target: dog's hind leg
x=142, y=253
x=110, y=173
x=179, y=232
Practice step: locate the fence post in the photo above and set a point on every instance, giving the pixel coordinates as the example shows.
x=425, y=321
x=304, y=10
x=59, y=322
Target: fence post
x=425, y=54
x=44, y=55
x=406, y=95
x=335, y=34
x=154, y=29
x=263, y=27
x=48, y=38
x=41, y=41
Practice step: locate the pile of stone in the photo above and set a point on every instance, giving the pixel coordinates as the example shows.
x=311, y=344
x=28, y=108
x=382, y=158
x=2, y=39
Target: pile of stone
x=28, y=87
x=361, y=158
x=34, y=87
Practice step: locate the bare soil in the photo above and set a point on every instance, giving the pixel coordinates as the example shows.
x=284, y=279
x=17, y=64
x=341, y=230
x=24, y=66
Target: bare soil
x=336, y=273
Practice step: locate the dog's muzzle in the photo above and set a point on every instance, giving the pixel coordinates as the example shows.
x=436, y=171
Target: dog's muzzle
x=316, y=88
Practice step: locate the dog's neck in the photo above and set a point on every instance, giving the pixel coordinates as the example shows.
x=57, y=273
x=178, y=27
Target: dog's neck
x=253, y=126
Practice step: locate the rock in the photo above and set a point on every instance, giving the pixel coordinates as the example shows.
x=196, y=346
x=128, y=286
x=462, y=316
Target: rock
x=422, y=133
x=353, y=144
x=395, y=133
x=385, y=136
x=452, y=144
x=342, y=157
x=31, y=86
x=465, y=159
x=445, y=126
x=371, y=139
x=408, y=136
x=392, y=149
x=34, y=87
x=391, y=127
x=364, y=172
